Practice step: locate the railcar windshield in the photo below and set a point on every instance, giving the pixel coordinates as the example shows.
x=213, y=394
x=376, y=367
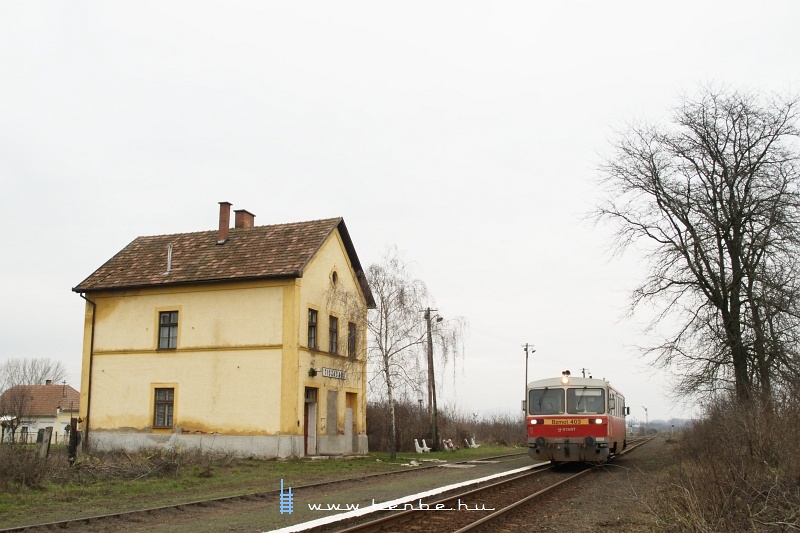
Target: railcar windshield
x=586, y=400
x=546, y=401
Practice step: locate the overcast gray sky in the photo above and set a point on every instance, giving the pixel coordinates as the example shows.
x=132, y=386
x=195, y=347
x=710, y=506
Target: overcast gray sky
x=467, y=134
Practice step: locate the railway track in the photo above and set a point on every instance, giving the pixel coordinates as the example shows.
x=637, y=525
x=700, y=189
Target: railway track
x=134, y=516
x=476, y=509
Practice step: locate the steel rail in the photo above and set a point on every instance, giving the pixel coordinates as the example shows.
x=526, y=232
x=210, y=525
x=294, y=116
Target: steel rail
x=494, y=516
x=504, y=510
x=402, y=517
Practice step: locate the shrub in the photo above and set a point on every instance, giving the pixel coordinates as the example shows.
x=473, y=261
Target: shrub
x=20, y=466
x=738, y=469
x=413, y=423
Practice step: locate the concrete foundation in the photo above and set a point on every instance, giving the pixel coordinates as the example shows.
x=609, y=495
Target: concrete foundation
x=260, y=446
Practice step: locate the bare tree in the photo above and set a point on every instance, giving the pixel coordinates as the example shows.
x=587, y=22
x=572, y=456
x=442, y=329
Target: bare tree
x=16, y=375
x=396, y=331
x=35, y=371
x=403, y=335
x=714, y=201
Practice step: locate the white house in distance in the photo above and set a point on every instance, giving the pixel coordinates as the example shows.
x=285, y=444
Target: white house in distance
x=30, y=408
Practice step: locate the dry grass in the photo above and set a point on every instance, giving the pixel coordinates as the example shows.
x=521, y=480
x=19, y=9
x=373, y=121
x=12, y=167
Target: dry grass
x=736, y=470
x=120, y=481
x=22, y=468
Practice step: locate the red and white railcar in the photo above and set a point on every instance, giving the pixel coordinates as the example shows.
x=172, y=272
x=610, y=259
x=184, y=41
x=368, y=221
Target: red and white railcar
x=574, y=419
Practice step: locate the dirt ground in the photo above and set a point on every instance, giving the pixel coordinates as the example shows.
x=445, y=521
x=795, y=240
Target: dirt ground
x=612, y=499
x=617, y=501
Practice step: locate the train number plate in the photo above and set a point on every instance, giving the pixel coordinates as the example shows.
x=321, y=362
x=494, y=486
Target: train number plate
x=566, y=421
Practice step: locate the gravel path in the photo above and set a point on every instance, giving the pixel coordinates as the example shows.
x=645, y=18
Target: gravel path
x=616, y=500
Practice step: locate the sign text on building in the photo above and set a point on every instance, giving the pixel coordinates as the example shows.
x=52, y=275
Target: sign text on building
x=333, y=373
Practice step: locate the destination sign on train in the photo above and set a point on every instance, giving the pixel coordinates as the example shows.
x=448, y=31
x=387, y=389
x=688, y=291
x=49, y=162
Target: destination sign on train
x=566, y=421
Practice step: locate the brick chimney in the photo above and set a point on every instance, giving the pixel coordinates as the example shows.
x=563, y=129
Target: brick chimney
x=48, y=382
x=244, y=219
x=224, y=221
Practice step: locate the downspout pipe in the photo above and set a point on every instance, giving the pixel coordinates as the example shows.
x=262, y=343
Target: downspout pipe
x=86, y=446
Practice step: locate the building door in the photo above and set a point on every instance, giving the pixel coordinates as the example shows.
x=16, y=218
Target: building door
x=351, y=421
x=310, y=422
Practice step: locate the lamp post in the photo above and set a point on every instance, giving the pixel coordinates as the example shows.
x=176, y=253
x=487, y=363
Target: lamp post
x=525, y=395
x=431, y=379
x=646, y=419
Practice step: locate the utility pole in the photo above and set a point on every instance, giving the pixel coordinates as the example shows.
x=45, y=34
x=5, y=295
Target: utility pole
x=584, y=371
x=432, y=381
x=525, y=394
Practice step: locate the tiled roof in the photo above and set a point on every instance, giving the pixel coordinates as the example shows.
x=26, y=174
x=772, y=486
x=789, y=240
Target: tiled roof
x=281, y=250
x=42, y=400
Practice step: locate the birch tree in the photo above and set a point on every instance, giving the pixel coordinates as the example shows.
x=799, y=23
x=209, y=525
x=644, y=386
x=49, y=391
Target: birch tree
x=396, y=330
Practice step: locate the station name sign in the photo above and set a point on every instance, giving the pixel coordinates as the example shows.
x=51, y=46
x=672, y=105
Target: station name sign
x=333, y=373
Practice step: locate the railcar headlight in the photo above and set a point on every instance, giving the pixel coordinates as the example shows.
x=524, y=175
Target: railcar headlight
x=598, y=420
x=534, y=421
x=565, y=378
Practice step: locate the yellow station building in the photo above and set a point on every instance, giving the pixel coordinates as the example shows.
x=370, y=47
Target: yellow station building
x=249, y=339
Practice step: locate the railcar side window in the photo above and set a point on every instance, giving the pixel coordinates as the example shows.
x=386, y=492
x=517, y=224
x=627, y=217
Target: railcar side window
x=586, y=400
x=546, y=402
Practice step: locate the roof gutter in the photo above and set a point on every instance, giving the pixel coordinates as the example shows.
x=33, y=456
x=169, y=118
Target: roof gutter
x=86, y=446
x=284, y=275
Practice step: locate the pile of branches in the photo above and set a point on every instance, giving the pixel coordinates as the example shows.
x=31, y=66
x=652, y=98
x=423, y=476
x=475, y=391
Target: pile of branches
x=147, y=463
